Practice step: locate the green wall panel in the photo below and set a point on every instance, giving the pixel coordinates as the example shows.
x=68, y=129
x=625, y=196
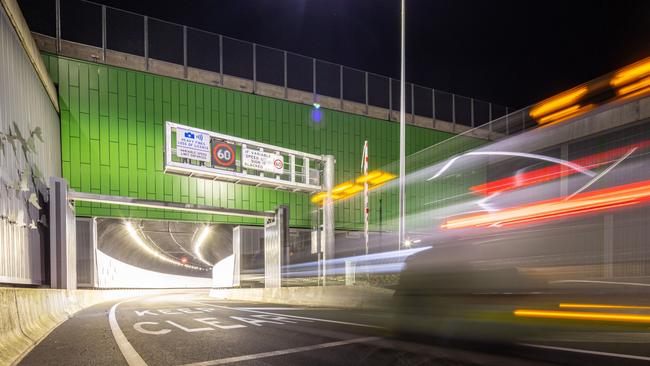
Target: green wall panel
x=112, y=141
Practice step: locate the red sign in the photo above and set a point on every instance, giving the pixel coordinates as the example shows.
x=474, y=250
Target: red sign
x=223, y=155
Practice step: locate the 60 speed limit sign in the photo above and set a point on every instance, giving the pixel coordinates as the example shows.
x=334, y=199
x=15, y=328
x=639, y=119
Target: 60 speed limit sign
x=223, y=155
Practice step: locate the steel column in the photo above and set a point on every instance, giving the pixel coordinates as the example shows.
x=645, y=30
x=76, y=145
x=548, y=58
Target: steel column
x=328, y=216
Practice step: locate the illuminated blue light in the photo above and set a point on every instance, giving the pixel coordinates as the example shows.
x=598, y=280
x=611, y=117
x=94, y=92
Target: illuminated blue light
x=316, y=114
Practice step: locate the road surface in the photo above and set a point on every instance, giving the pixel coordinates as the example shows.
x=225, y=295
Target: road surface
x=194, y=329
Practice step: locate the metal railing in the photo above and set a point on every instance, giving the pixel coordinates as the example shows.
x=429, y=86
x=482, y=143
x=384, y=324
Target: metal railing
x=108, y=28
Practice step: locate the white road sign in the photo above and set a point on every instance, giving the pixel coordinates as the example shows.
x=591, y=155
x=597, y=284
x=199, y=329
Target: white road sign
x=192, y=145
x=263, y=161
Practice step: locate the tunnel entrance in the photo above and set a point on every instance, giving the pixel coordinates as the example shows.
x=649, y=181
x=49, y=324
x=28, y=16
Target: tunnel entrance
x=205, y=155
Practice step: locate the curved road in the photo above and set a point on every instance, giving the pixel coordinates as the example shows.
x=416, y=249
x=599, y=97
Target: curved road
x=191, y=328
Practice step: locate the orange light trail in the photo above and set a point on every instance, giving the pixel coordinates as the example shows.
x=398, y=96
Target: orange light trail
x=603, y=306
x=576, y=315
x=603, y=199
x=631, y=73
x=555, y=171
x=558, y=102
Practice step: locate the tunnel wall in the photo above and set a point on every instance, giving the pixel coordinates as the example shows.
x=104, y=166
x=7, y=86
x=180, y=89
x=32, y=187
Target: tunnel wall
x=112, y=122
x=29, y=155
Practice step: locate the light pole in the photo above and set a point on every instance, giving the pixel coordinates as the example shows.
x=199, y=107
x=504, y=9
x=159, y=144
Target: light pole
x=402, y=137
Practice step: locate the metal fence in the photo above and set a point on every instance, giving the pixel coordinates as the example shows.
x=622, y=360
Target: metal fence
x=108, y=28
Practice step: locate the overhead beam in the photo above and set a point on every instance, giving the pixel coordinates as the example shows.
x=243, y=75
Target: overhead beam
x=171, y=206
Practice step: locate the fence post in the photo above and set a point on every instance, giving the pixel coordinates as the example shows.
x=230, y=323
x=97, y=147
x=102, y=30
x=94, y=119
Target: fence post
x=341, y=85
x=221, y=60
x=254, y=68
x=286, y=93
x=185, y=51
x=453, y=110
x=471, y=100
x=366, y=85
x=146, y=43
x=58, y=25
x=490, y=117
x=390, y=99
x=313, y=75
x=104, y=33
x=433, y=108
x=412, y=103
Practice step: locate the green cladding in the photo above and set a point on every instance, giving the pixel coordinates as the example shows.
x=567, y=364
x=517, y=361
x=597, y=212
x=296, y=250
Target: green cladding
x=112, y=141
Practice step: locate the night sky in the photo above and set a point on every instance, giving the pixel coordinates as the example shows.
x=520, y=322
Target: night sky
x=509, y=52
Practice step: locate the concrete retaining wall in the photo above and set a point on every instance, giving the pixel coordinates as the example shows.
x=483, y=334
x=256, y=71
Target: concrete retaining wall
x=28, y=315
x=330, y=296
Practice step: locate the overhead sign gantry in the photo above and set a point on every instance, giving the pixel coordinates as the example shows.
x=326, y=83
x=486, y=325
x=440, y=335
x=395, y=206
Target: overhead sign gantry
x=210, y=155
x=205, y=154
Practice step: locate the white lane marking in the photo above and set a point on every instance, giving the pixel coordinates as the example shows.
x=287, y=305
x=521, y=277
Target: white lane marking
x=277, y=309
x=293, y=316
x=576, y=350
x=130, y=355
x=256, y=356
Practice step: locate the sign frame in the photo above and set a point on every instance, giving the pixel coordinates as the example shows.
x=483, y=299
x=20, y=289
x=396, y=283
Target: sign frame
x=243, y=177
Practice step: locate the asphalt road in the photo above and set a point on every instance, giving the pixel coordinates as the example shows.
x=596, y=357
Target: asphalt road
x=194, y=329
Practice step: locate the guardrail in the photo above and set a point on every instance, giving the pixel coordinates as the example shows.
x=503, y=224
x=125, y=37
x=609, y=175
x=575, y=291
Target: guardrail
x=110, y=29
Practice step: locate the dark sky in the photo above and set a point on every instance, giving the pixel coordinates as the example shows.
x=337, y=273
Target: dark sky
x=509, y=52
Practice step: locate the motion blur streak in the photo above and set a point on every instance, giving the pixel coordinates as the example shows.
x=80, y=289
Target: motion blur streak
x=631, y=73
x=602, y=306
x=564, y=114
x=560, y=101
x=555, y=171
x=576, y=315
x=618, y=196
x=514, y=153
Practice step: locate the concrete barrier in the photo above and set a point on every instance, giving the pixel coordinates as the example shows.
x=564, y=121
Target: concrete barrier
x=354, y=297
x=29, y=315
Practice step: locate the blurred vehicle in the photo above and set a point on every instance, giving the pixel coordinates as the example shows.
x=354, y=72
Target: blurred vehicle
x=549, y=241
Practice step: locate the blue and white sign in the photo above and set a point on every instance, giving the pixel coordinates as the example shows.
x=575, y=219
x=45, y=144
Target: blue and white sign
x=192, y=145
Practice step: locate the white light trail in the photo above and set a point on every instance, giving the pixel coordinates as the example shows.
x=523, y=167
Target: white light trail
x=569, y=164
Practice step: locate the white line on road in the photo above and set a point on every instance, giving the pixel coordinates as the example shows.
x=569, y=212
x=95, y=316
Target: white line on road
x=132, y=357
x=256, y=356
x=281, y=309
x=291, y=316
x=576, y=350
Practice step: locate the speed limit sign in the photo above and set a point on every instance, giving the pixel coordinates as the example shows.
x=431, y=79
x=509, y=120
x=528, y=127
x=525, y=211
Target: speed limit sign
x=223, y=155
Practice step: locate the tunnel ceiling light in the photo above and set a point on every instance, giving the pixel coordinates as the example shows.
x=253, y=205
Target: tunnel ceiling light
x=199, y=243
x=555, y=171
x=603, y=199
x=133, y=232
x=375, y=179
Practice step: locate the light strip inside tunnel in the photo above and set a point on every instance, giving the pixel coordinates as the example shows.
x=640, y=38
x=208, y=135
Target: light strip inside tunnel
x=199, y=243
x=136, y=237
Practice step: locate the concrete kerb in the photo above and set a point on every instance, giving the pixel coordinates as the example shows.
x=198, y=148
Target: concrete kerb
x=351, y=297
x=28, y=315
x=13, y=340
